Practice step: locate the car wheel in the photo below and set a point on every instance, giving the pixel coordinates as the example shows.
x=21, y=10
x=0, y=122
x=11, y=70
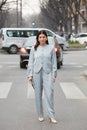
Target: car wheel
x=13, y=49
x=58, y=65
x=61, y=63
x=22, y=65
x=26, y=66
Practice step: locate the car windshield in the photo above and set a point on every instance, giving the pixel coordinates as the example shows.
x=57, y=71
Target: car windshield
x=51, y=40
x=80, y=35
x=30, y=41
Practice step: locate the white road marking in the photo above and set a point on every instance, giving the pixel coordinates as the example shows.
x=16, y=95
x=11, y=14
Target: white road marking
x=1, y=66
x=71, y=91
x=73, y=63
x=85, y=64
x=9, y=62
x=76, y=64
x=12, y=66
x=30, y=92
x=79, y=66
x=4, y=89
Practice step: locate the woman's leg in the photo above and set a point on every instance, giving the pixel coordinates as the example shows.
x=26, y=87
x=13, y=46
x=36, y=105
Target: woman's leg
x=49, y=93
x=38, y=93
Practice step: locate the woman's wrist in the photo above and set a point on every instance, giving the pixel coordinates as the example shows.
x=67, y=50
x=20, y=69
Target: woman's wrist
x=30, y=78
x=54, y=78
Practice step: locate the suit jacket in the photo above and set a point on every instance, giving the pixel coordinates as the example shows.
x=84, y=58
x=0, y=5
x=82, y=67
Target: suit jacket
x=44, y=57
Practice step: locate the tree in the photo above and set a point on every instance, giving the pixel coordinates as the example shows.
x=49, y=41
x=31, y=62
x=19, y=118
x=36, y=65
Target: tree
x=6, y=11
x=48, y=14
x=57, y=12
x=3, y=13
x=64, y=13
x=2, y=4
x=75, y=9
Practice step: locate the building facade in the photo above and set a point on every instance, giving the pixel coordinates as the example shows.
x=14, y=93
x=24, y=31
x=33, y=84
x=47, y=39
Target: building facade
x=82, y=23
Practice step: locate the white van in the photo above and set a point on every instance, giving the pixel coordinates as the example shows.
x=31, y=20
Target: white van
x=12, y=39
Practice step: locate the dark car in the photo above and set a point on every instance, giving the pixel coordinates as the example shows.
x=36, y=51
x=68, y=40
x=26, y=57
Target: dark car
x=25, y=51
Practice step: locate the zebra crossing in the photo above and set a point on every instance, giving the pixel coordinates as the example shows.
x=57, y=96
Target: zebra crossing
x=75, y=65
x=5, y=88
x=69, y=65
x=30, y=91
x=69, y=89
x=1, y=66
x=8, y=66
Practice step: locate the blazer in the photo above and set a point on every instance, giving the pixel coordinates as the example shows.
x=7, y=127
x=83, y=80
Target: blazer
x=44, y=57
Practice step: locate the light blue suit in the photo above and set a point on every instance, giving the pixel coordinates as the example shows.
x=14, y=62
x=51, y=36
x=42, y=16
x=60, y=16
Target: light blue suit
x=42, y=67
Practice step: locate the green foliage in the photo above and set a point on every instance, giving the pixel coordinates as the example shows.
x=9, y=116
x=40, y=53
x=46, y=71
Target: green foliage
x=75, y=44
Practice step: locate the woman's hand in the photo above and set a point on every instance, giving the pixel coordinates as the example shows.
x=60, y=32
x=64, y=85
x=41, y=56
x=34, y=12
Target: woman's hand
x=54, y=78
x=30, y=79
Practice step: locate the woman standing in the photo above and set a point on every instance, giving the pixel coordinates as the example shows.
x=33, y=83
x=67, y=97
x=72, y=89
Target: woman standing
x=42, y=71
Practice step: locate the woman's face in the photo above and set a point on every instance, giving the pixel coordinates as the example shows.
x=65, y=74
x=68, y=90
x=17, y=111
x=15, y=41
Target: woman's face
x=42, y=39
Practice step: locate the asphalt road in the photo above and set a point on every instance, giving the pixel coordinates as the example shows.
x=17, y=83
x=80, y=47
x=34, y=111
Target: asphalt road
x=17, y=101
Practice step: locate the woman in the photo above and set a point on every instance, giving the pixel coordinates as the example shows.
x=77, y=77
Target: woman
x=42, y=72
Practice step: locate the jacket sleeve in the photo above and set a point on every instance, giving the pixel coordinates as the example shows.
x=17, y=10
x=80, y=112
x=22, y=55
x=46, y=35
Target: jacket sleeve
x=54, y=63
x=30, y=63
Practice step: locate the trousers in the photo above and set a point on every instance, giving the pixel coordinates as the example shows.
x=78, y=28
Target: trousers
x=43, y=81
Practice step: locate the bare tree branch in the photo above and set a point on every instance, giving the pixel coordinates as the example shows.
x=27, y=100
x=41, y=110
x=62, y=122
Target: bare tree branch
x=2, y=4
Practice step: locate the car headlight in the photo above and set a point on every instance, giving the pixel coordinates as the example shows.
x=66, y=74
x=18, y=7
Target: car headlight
x=23, y=50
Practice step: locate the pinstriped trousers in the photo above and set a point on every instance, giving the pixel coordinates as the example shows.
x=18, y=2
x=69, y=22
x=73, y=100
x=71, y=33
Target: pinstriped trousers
x=44, y=81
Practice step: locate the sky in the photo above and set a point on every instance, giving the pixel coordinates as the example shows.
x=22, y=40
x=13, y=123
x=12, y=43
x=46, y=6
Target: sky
x=31, y=7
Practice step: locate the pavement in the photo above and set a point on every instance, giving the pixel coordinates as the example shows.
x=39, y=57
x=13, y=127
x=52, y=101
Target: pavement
x=19, y=113
x=85, y=73
x=77, y=48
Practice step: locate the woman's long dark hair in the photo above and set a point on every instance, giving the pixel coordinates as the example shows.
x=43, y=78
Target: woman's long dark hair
x=37, y=42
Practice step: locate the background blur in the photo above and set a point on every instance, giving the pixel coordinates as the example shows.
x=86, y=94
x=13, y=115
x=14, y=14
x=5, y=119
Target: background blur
x=64, y=16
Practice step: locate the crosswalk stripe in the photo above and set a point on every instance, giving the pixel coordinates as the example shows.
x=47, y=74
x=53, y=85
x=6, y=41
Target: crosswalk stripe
x=85, y=64
x=1, y=66
x=4, y=89
x=79, y=66
x=9, y=66
x=11, y=63
x=74, y=65
x=71, y=91
x=12, y=66
x=30, y=92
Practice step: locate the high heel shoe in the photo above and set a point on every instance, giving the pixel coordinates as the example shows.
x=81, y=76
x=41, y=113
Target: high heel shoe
x=41, y=119
x=53, y=120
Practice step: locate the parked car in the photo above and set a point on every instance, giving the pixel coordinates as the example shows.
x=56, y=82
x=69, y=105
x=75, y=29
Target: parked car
x=62, y=42
x=80, y=37
x=25, y=51
x=13, y=38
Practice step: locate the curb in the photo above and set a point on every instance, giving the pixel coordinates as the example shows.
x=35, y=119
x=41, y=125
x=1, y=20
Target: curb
x=76, y=49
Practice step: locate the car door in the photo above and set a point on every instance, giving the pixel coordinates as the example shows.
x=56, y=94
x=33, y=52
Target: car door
x=82, y=38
